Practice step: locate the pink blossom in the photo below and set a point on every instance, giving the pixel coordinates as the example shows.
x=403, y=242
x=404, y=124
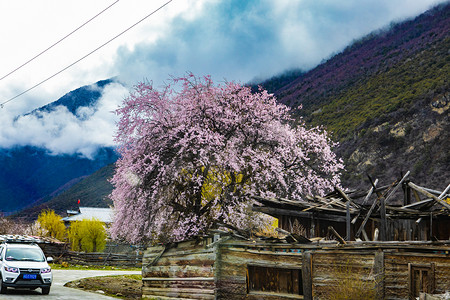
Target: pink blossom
x=193, y=154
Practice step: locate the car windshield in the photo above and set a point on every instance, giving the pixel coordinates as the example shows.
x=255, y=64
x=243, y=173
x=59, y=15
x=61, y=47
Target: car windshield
x=24, y=254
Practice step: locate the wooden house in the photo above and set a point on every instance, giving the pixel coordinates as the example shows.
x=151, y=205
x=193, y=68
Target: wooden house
x=229, y=267
x=375, y=215
x=104, y=215
x=382, y=249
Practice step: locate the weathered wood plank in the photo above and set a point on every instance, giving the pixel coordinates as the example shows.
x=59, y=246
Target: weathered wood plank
x=428, y=194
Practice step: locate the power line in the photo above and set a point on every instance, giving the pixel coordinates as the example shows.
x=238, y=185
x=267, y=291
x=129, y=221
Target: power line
x=59, y=41
x=80, y=59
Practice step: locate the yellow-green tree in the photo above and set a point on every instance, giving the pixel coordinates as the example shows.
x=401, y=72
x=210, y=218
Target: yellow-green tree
x=74, y=234
x=87, y=235
x=52, y=224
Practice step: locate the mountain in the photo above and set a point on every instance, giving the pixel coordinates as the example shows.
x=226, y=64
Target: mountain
x=386, y=99
x=33, y=175
x=86, y=96
x=92, y=191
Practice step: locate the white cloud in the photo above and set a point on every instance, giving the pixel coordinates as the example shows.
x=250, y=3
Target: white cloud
x=61, y=132
x=232, y=40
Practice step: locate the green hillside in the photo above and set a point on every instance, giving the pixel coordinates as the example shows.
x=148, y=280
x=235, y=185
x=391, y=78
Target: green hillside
x=386, y=99
x=420, y=76
x=92, y=191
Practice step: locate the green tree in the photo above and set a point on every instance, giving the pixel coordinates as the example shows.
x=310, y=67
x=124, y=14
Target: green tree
x=87, y=235
x=52, y=224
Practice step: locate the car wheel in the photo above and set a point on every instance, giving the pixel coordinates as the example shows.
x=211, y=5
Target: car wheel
x=2, y=287
x=45, y=290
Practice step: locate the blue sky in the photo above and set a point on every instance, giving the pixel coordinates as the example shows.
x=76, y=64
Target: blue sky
x=232, y=40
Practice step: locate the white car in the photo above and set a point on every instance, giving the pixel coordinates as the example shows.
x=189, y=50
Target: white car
x=24, y=266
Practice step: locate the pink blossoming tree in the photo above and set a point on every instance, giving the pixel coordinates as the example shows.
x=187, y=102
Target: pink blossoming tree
x=193, y=154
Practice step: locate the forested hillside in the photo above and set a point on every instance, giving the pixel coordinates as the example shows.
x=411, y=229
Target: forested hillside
x=92, y=191
x=385, y=99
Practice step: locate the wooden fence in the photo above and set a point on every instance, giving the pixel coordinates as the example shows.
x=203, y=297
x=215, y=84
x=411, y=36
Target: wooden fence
x=103, y=259
x=61, y=253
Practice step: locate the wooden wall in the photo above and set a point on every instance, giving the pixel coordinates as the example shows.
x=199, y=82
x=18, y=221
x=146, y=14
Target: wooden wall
x=397, y=274
x=342, y=272
x=201, y=270
x=186, y=271
x=396, y=229
x=235, y=257
x=220, y=270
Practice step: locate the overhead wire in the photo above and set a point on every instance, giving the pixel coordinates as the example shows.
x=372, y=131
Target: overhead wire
x=93, y=51
x=59, y=41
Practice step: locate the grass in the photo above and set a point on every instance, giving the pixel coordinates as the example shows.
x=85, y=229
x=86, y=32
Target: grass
x=352, y=284
x=377, y=95
x=118, y=286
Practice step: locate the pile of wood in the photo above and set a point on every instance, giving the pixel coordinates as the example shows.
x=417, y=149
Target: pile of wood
x=100, y=259
x=355, y=209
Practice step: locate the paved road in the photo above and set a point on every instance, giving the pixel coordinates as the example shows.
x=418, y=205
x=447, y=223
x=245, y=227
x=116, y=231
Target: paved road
x=58, y=291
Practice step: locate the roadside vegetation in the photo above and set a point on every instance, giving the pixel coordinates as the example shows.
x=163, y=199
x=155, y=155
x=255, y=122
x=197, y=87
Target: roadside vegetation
x=123, y=286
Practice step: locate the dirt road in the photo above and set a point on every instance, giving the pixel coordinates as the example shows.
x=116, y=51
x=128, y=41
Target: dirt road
x=58, y=291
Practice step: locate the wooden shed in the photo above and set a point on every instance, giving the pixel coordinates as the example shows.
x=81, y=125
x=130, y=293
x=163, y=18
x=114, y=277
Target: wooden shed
x=382, y=213
x=229, y=267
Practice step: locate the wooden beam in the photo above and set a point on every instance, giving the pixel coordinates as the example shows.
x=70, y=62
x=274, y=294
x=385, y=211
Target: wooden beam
x=337, y=235
x=347, y=198
x=416, y=195
x=358, y=233
x=397, y=186
x=444, y=192
x=428, y=194
x=412, y=205
x=369, y=194
x=294, y=213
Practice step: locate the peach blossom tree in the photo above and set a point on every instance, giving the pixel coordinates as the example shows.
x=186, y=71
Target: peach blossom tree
x=192, y=155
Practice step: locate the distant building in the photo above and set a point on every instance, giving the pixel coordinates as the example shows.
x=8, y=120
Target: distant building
x=104, y=215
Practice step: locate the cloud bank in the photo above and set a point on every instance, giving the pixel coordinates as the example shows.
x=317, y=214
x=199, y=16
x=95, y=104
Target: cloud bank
x=244, y=40
x=231, y=40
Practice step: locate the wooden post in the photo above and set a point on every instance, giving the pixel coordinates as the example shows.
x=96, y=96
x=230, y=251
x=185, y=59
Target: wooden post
x=431, y=226
x=307, y=275
x=378, y=270
x=347, y=221
x=406, y=193
x=383, y=225
x=410, y=282
x=376, y=233
x=366, y=237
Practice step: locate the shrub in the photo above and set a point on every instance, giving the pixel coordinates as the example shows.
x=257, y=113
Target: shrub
x=52, y=225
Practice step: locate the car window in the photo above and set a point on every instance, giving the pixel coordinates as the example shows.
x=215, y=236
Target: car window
x=24, y=254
